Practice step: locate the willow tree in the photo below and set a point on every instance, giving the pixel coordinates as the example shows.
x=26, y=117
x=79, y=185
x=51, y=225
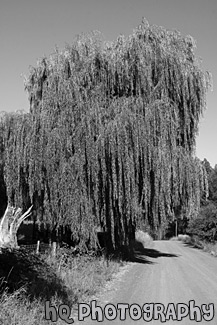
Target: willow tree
x=3, y=197
x=110, y=137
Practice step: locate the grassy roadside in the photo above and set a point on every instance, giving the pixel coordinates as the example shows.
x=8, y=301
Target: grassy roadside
x=28, y=280
x=31, y=280
x=196, y=242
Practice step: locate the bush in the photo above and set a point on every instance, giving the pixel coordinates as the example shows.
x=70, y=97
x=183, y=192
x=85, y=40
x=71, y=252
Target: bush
x=184, y=238
x=143, y=237
x=205, y=225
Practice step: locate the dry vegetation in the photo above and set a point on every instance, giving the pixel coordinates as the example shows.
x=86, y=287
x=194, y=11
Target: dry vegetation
x=27, y=281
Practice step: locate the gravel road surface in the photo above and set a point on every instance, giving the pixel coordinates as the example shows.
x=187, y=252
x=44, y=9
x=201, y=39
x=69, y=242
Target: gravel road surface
x=170, y=281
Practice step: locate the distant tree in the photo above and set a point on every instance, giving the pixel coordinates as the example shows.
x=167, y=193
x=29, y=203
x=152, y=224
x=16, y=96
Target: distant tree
x=212, y=181
x=213, y=185
x=110, y=137
x=205, y=225
x=3, y=194
x=208, y=167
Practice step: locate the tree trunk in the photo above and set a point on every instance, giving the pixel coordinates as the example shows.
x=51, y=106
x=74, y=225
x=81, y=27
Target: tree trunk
x=9, y=225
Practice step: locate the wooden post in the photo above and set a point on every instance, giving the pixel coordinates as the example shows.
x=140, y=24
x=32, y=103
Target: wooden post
x=176, y=228
x=54, y=249
x=38, y=246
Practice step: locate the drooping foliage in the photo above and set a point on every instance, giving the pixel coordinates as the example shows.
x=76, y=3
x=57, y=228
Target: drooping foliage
x=204, y=224
x=110, y=136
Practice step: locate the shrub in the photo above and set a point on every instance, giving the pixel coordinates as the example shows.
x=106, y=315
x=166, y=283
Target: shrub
x=205, y=225
x=184, y=238
x=143, y=237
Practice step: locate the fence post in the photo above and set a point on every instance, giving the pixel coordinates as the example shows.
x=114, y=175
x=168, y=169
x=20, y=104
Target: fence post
x=54, y=249
x=37, y=248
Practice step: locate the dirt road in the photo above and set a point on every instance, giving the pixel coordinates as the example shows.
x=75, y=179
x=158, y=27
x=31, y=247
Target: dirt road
x=170, y=281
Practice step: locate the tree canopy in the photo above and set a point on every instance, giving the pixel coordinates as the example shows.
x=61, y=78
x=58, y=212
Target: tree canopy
x=110, y=137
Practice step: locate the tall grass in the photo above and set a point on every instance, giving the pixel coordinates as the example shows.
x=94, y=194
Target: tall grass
x=80, y=277
x=63, y=279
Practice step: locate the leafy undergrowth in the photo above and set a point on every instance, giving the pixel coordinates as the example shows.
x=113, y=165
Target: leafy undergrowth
x=27, y=280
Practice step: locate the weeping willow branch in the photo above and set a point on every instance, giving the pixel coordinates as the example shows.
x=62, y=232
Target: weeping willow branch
x=110, y=138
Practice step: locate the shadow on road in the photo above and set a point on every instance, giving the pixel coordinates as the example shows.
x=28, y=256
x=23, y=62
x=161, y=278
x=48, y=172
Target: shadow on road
x=140, y=254
x=192, y=245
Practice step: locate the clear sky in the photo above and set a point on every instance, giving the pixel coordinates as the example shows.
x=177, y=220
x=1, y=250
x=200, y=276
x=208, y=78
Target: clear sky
x=30, y=29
